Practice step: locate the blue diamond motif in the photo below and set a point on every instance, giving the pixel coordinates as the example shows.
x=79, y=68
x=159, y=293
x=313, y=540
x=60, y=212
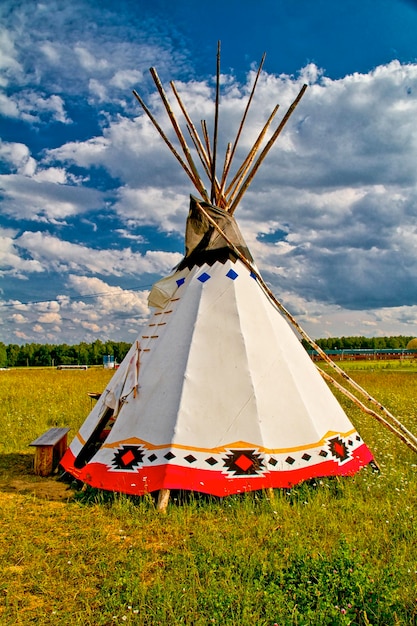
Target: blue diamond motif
x=232, y=274
x=180, y=281
x=203, y=277
x=253, y=276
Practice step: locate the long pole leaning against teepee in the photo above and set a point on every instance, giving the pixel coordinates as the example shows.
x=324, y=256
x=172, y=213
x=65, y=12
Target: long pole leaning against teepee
x=406, y=435
x=365, y=409
x=265, y=151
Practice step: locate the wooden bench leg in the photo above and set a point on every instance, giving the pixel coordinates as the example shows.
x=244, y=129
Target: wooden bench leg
x=44, y=459
x=61, y=447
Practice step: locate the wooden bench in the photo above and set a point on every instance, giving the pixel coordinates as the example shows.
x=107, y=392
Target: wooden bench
x=50, y=448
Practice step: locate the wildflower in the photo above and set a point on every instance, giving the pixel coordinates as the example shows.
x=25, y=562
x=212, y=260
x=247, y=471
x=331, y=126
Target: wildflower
x=343, y=611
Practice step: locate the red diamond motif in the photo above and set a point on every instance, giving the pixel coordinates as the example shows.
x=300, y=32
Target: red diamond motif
x=128, y=457
x=339, y=449
x=243, y=462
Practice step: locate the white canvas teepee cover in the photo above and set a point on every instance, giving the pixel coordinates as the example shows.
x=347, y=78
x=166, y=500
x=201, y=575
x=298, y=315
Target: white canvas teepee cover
x=218, y=394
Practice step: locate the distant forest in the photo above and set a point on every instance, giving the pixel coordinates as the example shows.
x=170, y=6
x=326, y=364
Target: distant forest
x=34, y=354
x=361, y=343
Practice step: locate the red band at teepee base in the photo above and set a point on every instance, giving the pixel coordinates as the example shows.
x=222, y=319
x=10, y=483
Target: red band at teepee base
x=170, y=476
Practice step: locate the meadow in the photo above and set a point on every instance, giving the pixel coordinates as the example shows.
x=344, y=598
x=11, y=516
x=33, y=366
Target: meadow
x=334, y=551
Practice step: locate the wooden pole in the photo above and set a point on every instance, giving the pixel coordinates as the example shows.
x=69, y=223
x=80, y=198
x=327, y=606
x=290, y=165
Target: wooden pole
x=207, y=142
x=192, y=130
x=367, y=410
x=326, y=358
x=228, y=163
x=221, y=199
x=216, y=129
x=205, y=158
x=197, y=181
x=243, y=169
x=266, y=150
x=165, y=138
x=163, y=499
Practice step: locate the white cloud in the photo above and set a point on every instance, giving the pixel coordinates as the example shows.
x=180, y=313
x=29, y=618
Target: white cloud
x=85, y=154
x=52, y=253
x=330, y=217
x=50, y=318
x=8, y=55
x=17, y=156
x=18, y=318
x=8, y=108
x=99, y=310
x=164, y=209
x=126, y=78
x=11, y=262
x=88, y=61
x=42, y=197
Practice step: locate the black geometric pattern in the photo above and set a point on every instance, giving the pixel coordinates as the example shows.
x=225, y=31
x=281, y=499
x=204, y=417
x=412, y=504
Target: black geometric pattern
x=128, y=457
x=272, y=461
x=338, y=448
x=243, y=462
x=289, y=460
x=169, y=455
x=306, y=457
x=152, y=458
x=190, y=458
x=211, y=461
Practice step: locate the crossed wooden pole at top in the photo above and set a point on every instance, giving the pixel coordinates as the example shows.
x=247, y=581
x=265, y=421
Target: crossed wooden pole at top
x=222, y=194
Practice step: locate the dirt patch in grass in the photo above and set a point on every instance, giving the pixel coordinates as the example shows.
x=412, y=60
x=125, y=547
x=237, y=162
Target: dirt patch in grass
x=17, y=476
x=46, y=488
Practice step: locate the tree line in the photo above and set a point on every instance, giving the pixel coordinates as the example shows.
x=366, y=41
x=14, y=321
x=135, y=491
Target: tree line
x=398, y=342
x=35, y=354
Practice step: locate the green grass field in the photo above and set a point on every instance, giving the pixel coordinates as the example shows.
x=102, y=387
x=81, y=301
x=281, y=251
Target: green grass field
x=340, y=551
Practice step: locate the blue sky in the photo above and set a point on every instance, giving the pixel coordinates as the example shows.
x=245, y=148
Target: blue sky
x=93, y=206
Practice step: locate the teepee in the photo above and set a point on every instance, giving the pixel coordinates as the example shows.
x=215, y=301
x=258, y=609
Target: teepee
x=217, y=394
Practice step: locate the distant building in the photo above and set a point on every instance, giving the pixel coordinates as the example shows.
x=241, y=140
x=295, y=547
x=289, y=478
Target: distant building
x=108, y=362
